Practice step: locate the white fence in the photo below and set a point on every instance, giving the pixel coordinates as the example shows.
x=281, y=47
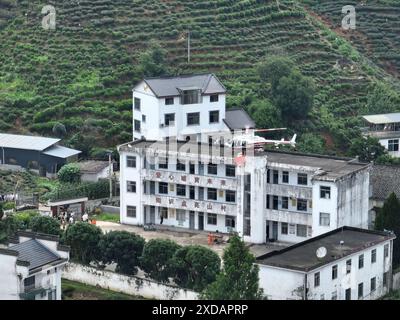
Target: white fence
x=126, y=284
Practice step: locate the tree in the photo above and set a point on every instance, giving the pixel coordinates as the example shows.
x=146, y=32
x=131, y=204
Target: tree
x=195, y=267
x=274, y=69
x=388, y=218
x=70, y=173
x=123, y=248
x=294, y=96
x=45, y=225
x=59, y=130
x=265, y=114
x=8, y=227
x=84, y=240
x=381, y=99
x=157, y=259
x=239, y=279
x=152, y=62
x=367, y=149
x=311, y=143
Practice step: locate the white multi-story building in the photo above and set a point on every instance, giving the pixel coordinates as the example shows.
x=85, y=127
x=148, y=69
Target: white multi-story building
x=193, y=182
x=385, y=128
x=31, y=267
x=344, y=264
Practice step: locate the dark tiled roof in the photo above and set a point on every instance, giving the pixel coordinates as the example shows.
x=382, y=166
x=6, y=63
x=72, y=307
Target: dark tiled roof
x=237, y=119
x=384, y=180
x=92, y=166
x=302, y=256
x=35, y=253
x=169, y=86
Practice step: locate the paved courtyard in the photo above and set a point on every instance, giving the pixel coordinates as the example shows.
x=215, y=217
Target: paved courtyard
x=185, y=237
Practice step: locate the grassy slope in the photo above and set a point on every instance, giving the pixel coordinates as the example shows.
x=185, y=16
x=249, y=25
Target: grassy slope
x=87, y=67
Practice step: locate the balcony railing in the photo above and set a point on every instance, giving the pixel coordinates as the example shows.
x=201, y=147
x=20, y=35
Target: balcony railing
x=290, y=191
x=30, y=292
x=292, y=217
x=189, y=204
x=229, y=183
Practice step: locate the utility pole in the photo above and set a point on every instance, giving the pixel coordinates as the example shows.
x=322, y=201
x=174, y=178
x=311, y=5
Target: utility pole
x=188, y=46
x=110, y=173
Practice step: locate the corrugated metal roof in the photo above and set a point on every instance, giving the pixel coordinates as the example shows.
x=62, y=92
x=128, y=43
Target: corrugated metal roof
x=61, y=152
x=169, y=86
x=383, y=118
x=26, y=142
x=35, y=253
x=237, y=119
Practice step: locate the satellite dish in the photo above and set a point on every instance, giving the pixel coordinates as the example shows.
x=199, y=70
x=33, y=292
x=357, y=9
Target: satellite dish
x=321, y=252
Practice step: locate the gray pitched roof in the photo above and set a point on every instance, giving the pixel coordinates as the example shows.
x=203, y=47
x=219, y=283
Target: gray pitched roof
x=35, y=253
x=92, y=166
x=26, y=142
x=237, y=119
x=384, y=180
x=61, y=152
x=169, y=86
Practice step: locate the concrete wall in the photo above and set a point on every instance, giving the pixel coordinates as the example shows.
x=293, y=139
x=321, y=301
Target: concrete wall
x=9, y=282
x=110, y=209
x=126, y=284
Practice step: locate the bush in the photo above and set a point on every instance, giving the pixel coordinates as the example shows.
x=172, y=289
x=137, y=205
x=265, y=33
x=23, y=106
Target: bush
x=70, y=173
x=45, y=225
x=8, y=227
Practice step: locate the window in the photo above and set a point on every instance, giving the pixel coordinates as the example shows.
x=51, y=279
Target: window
x=230, y=196
x=214, y=98
x=193, y=118
x=230, y=171
x=180, y=166
x=212, y=219
x=302, y=179
x=275, y=202
x=373, y=256
x=334, y=272
x=322, y=297
x=169, y=101
x=285, y=177
x=373, y=284
x=348, y=266
x=230, y=222
x=284, y=228
x=164, y=212
x=212, y=168
x=190, y=97
x=214, y=116
x=385, y=278
x=131, y=211
x=285, y=203
x=301, y=205
x=268, y=202
x=137, y=125
x=386, y=251
x=325, y=192
x=393, y=145
x=334, y=295
x=361, y=261
x=360, y=290
x=268, y=175
x=137, y=104
x=301, y=230
x=316, y=279
x=348, y=294
x=131, y=186
x=131, y=162
x=143, y=118
x=163, y=188
x=211, y=194
x=275, y=177
x=324, y=219
x=29, y=282
x=192, y=192
x=169, y=119
x=181, y=190
x=163, y=163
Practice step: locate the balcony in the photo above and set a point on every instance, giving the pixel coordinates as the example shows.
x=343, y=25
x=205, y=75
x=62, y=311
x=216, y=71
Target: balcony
x=291, y=217
x=290, y=191
x=227, y=183
x=30, y=292
x=189, y=204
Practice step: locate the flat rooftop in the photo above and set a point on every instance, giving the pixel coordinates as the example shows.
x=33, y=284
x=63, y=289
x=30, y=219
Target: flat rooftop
x=302, y=256
x=328, y=168
x=383, y=118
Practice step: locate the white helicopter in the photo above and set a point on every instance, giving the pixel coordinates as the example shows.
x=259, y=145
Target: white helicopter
x=249, y=139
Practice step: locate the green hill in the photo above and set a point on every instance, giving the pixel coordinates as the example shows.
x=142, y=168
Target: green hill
x=82, y=73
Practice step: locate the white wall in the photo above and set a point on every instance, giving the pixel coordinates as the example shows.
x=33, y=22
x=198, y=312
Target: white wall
x=385, y=143
x=9, y=282
x=126, y=284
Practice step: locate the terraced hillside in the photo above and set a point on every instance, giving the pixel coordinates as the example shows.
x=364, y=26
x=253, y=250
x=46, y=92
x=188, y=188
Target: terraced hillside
x=82, y=73
x=378, y=28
